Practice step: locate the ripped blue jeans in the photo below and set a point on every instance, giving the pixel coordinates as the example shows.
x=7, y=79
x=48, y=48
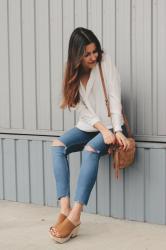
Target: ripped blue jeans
x=75, y=140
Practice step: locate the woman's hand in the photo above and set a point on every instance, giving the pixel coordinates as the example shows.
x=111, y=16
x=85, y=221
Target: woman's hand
x=108, y=136
x=122, y=141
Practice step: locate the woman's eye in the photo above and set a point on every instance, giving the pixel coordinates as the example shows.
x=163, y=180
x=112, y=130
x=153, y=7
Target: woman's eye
x=88, y=54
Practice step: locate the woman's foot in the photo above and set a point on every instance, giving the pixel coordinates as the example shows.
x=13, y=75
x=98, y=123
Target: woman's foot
x=61, y=217
x=66, y=230
x=73, y=218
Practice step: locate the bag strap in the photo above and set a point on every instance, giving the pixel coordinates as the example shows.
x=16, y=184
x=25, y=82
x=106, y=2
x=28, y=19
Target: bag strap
x=107, y=103
x=104, y=89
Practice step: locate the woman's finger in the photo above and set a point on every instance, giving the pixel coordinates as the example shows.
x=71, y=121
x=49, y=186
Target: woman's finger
x=121, y=142
x=127, y=145
x=124, y=145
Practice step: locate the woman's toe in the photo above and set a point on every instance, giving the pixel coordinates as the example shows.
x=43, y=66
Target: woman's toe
x=53, y=231
x=57, y=234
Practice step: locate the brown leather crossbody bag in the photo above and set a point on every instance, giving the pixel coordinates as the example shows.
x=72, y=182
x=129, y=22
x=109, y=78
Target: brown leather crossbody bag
x=121, y=158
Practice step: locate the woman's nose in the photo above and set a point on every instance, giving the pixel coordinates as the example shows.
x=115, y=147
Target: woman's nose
x=93, y=58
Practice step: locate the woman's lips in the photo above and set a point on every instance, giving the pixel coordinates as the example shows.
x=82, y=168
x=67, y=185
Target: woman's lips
x=92, y=62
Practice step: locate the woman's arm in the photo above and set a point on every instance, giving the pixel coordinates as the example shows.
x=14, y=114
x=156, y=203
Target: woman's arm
x=92, y=119
x=108, y=136
x=115, y=100
x=116, y=109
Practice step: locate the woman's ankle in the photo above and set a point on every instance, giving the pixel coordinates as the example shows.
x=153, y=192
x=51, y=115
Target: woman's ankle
x=75, y=218
x=65, y=205
x=65, y=211
x=76, y=211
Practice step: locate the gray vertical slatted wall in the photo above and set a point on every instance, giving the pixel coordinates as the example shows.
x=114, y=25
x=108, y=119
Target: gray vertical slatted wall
x=33, y=50
x=26, y=176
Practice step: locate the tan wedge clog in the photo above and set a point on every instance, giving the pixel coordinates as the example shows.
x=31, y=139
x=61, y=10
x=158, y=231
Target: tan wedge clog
x=66, y=230
x=60, y=219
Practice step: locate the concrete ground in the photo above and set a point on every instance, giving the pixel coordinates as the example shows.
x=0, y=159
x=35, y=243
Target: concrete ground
x=25, y=226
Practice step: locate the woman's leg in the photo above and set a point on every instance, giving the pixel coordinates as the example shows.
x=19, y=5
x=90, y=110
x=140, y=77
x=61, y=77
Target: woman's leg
x=88, y=172
x=87, y=177
x=91, y=154
x=71, y=141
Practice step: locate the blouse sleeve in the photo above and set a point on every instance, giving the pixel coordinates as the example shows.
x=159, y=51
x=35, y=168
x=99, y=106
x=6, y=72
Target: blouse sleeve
x=115, y=96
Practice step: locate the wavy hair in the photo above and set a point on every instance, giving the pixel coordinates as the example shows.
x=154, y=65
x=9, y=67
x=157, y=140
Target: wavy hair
x=79, y=38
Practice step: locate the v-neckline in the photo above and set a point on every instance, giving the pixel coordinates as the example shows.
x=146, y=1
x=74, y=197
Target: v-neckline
x=89, y=80
x=85, y=86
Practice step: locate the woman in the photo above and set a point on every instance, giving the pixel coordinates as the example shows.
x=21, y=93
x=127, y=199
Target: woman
x=95, y=130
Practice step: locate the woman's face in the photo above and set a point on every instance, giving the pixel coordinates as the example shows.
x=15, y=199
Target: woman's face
x=89, y=59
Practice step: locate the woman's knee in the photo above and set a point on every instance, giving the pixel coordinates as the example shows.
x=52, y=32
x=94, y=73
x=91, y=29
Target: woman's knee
x=57, y=142
x=91, y=149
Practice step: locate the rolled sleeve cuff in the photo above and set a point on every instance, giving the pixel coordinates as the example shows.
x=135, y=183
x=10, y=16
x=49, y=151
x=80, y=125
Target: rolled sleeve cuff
x=94, y=120
x=118, y=129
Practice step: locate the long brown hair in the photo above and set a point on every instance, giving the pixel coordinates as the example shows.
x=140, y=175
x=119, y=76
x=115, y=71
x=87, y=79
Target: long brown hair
x=79, y=38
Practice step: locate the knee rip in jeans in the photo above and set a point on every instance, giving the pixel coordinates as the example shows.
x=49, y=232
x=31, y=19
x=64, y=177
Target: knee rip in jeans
x=91, y=149
x=57, y=142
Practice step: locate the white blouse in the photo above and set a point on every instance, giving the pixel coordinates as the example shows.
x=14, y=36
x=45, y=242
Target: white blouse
x=92, y=107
